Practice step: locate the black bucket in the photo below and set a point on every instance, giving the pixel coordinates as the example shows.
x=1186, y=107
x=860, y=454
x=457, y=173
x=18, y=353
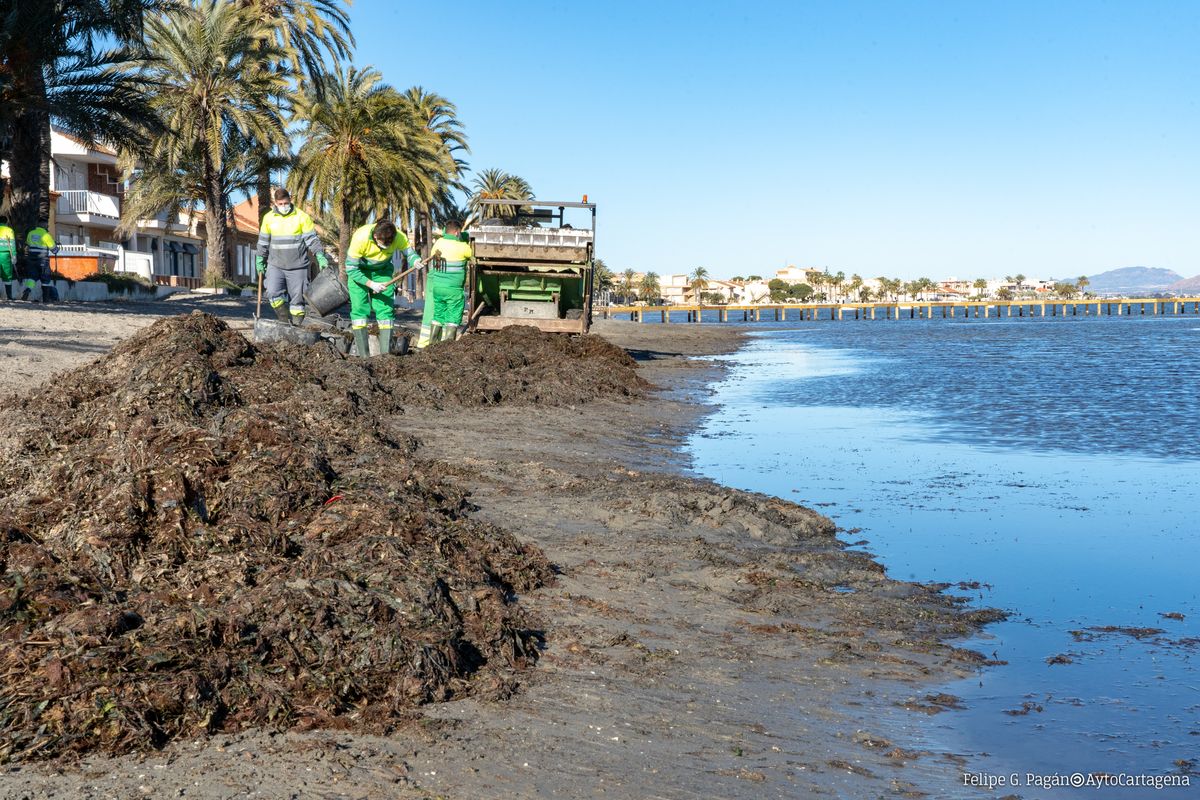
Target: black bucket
x=326, y=292
x=269, y=330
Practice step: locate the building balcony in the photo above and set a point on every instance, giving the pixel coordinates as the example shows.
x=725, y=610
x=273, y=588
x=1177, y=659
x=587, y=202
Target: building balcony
x=82, y=207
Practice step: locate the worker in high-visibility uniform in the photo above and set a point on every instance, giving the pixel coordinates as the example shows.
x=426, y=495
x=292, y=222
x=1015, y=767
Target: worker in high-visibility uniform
x=368, y=270
x=39, y=245
x=8, y=257
x=287, y=243
x=444, y=287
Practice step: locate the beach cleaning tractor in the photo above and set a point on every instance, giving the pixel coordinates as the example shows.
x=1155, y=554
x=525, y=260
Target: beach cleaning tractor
x=532, y=266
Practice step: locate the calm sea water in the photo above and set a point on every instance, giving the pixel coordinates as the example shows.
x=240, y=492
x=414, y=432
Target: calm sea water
x=1056, y=462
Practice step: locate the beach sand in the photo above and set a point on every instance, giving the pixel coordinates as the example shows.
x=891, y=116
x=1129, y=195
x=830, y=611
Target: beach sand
x=698, y=642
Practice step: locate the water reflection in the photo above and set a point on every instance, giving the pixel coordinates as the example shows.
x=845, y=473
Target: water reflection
x=1056, y=464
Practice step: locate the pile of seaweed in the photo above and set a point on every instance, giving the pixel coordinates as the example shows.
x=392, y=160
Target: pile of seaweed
x=520, y=365
x=198, y=535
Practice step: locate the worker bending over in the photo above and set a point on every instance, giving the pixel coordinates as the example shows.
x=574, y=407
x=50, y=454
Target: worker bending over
x=287, y=243
x=368, y=270
x=444, y=287
x=39, y=245
x=8, y=257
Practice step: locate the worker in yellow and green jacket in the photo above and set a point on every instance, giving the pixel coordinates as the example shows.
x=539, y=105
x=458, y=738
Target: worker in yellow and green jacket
x=39, y=245
x=368, y=270
x=287, y=241
x=444, y=287
x=8, y=257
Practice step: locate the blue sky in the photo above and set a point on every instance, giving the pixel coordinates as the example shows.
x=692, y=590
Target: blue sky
x=893, y=138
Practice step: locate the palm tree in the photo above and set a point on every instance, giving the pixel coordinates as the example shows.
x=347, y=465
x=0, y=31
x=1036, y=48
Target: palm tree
x=496, y=184
x=1019, y=279
x=440, y=117
x=649, y=287
x=699, y=282
x=214, y=99
x=363, y=150
x=836, y=281
x=1082, y=282
x=602, y=278
x=51, y=68
x=980, y=284
x=627, y=287
x=855, y=284
x=297, y=36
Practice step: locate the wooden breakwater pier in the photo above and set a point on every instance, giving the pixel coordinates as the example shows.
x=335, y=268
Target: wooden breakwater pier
x=917, y=309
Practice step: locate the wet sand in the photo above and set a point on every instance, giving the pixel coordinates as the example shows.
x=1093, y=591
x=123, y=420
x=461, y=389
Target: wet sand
x=698, y=641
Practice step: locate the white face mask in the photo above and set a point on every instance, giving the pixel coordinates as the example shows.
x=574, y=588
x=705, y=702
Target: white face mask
x=284, y=209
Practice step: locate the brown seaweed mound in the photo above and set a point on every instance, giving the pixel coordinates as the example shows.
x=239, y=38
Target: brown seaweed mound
x=518, y=365
x=198, y=535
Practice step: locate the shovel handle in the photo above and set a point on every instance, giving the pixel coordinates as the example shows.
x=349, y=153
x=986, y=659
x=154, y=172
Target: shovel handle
x=403, y=275
x=258, y=307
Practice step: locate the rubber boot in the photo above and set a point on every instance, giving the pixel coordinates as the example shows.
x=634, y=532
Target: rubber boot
x=362, y=342
x=385, y=341
x=26, y=292
x=449, y=333
x=281, y=313
x=49, y=293
x=298, y=319
x=8, y=291
x=435, y=333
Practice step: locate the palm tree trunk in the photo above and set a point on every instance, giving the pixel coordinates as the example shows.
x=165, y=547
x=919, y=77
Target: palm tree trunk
x=262, y=190
x=217, y=235
x=29, y=159
x=343, y=233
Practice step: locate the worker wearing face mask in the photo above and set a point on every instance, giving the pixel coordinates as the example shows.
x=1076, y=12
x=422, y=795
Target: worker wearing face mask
x=287, y=243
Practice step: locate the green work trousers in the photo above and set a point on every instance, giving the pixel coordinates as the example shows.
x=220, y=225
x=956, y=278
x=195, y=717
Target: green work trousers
x=6, y=267
x=363, y=301
x=443, y=304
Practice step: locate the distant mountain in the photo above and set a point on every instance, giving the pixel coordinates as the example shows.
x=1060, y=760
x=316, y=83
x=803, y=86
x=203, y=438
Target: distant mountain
x=1186, y=286
x=1131, y=280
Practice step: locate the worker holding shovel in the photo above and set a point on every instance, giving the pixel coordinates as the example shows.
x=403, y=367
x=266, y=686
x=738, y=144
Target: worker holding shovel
x=369, y=280
x=444, y=287
x=286, y=239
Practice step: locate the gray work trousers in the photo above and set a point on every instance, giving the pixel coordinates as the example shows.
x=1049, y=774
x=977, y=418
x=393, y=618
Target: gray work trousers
x=286, y=286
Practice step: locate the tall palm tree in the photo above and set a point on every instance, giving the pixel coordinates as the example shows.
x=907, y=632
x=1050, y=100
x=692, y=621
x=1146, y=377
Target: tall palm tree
x=362, y=150
x=698, y=282
x=75, y=63
x=649, y=288
x=297, y=37
x=440, y=117
x=213, y=98
x=980, y=284
x=496, y=184
x=1082, y=283
x=855, y=284
x=628, y=287
x=837, y=281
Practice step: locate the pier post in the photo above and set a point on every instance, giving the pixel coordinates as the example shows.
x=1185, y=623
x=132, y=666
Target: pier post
x=758, y=315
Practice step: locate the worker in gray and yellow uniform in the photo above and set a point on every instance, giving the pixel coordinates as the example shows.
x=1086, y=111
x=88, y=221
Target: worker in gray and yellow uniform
x=39, y=245
x=287, y=243
x=8, y=257
x=368, y=270
x=444, y=287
